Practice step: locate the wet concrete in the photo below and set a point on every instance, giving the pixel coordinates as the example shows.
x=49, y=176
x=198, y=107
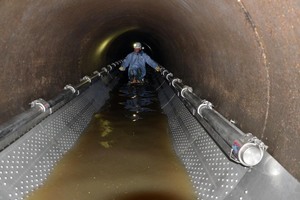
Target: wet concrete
x=125, y=154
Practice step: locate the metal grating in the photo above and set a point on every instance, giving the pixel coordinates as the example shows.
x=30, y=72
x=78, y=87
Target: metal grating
x=212, y=174
x=27, y=162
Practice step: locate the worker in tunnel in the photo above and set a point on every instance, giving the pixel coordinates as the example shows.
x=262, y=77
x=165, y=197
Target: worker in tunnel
x=136, y=61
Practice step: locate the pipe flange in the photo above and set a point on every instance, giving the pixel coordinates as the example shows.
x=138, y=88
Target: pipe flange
x=168, y=75
x=41, y=103
x=176, y=80
x=97, y=73
x=204, y=104
x=164, y=71
x=70, y=87
x=86, y=78
x=104, y=69
x=185, y=88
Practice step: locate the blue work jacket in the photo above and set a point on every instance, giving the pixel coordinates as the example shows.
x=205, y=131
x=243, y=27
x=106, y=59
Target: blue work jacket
x=138, y=60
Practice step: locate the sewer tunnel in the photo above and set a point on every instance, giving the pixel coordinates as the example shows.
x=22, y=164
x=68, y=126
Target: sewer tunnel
x=241, y=56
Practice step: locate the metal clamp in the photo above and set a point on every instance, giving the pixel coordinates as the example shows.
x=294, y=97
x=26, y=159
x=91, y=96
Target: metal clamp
x=70, y=87
x=98, y=73
x=169, y=74
x=163, y=72
x=86, y=78
x=185, y=88
x=104, y=69
x=204, y=104
x=41, y=103
x=258, y=142
x=248, y=151
x=110, y=67
x=176, y=80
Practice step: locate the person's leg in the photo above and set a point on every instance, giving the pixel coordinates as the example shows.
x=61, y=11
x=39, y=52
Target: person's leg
x=132, y=74
x=139, y=74
x=143, y=72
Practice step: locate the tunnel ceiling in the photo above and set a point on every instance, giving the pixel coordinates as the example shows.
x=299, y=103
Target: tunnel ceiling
x=243, y=56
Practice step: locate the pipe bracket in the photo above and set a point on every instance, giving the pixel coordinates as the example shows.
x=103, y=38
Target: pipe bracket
x=184, y=89
x=176, y=80
x=70, y=87
x=248, y=150
x=86, y=78
x=169, y=74
x=164, y=71
x=104, y=69
x=205, y=104
x=97, y=73
x=42, y=104
x=110, y=67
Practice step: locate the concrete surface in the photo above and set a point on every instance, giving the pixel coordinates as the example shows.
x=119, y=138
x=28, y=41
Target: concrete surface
x=243, y=56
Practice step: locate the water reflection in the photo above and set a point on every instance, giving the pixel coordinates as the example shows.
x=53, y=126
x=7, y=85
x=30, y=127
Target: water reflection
x=138, y=100
x=120, y=156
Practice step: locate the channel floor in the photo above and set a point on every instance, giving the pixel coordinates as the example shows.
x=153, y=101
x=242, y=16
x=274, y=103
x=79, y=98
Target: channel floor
x=124, y=154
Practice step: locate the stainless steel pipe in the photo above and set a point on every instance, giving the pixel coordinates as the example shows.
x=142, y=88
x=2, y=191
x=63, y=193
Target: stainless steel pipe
x=17, y=126
x=243, y=148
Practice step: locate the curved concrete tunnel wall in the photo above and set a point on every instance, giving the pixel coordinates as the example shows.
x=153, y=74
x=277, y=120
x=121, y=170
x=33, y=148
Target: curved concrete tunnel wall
x=243, y=56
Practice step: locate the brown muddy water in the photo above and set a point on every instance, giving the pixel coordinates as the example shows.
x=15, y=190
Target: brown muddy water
x=124, y=154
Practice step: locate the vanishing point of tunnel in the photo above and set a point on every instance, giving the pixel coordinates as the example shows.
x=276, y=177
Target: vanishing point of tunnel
x=243, y=56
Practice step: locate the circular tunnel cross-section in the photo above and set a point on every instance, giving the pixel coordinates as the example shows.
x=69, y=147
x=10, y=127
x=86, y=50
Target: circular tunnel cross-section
x=243, y=56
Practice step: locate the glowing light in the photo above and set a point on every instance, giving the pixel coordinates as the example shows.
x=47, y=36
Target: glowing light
x=105, y=42
x=103, y=45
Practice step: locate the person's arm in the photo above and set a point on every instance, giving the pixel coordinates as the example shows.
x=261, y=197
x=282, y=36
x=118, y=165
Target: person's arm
x=125, y=63
x=151, y=62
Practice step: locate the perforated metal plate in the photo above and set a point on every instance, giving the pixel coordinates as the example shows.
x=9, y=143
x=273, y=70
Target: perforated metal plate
x=212, y=174
x=26, y=163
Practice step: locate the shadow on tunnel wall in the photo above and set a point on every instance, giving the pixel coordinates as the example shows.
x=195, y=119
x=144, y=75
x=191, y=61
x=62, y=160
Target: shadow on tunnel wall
x=243, y=56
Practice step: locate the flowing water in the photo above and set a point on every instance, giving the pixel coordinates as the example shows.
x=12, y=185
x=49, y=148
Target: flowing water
x=124, y=154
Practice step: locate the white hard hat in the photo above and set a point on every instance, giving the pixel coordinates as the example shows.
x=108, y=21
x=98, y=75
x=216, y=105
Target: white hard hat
x=137, y=45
